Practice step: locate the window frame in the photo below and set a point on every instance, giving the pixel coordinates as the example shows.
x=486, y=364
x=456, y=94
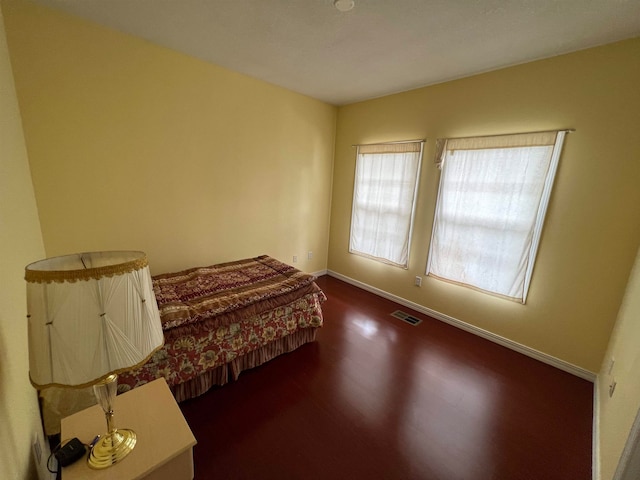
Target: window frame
x=414, y=198
x=540, y=217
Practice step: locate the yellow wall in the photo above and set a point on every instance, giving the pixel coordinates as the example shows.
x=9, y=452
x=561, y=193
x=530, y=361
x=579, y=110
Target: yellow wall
x=20, y=244
x=616, y=414
x=591, y=232
x=134, y=146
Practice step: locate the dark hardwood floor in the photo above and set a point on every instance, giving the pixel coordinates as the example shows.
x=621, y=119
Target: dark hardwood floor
x=375, y=398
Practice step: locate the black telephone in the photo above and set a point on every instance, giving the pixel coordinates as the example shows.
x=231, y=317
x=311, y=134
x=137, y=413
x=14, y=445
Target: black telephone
x=71, y=451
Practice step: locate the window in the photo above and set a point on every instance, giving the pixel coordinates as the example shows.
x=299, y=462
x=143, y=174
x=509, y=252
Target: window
x=491, y=205
x=384, y=193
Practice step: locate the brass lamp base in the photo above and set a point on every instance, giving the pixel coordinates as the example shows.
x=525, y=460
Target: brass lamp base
x=112, y=448
x=117, y=443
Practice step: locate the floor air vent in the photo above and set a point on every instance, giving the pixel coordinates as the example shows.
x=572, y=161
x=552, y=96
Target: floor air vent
x=405, y=317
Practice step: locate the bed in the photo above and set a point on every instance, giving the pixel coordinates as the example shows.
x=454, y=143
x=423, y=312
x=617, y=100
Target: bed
x=218, y=321
x=226, y=318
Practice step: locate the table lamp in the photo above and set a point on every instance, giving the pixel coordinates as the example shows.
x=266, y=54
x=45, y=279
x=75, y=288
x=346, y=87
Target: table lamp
x=90, y=317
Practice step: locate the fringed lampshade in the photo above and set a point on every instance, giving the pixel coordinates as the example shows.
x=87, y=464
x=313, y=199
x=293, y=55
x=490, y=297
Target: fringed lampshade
x=90, y=316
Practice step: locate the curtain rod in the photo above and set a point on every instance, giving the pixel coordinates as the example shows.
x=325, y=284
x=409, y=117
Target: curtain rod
x=389, y=143
x=422, y=140
x=567, y=130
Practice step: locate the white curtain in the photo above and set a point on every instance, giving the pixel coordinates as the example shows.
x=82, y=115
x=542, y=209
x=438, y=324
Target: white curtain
x=383, y=201
x=491, y=206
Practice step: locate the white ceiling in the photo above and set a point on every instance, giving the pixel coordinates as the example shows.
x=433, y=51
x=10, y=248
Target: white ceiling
x=379, y=47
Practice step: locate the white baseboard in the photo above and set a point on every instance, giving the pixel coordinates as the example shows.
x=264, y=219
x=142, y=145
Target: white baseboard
x=319, y=273
x=595, y=435
x=505, y=342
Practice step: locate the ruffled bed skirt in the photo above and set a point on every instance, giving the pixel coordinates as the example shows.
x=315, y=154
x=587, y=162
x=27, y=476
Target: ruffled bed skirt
x=57, y=403
x=232, y=370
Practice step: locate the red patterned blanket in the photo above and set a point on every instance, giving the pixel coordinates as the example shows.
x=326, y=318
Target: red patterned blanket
x=228, y=291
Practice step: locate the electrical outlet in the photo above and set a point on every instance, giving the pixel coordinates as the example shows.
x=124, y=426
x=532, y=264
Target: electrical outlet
x=295, y=259
x=310, y=256
x=37, y=451
x=418, y=281
x=612, y=387
x=41, y=456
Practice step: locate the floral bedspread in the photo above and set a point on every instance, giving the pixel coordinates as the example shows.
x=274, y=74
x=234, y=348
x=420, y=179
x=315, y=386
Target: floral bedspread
x=255, y=303
x=193, y=349
x=229, y=291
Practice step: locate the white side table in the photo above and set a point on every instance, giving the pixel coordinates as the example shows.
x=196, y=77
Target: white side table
x=164, y=448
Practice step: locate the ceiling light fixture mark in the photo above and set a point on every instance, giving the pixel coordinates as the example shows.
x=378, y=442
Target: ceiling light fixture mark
x=344, y=5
